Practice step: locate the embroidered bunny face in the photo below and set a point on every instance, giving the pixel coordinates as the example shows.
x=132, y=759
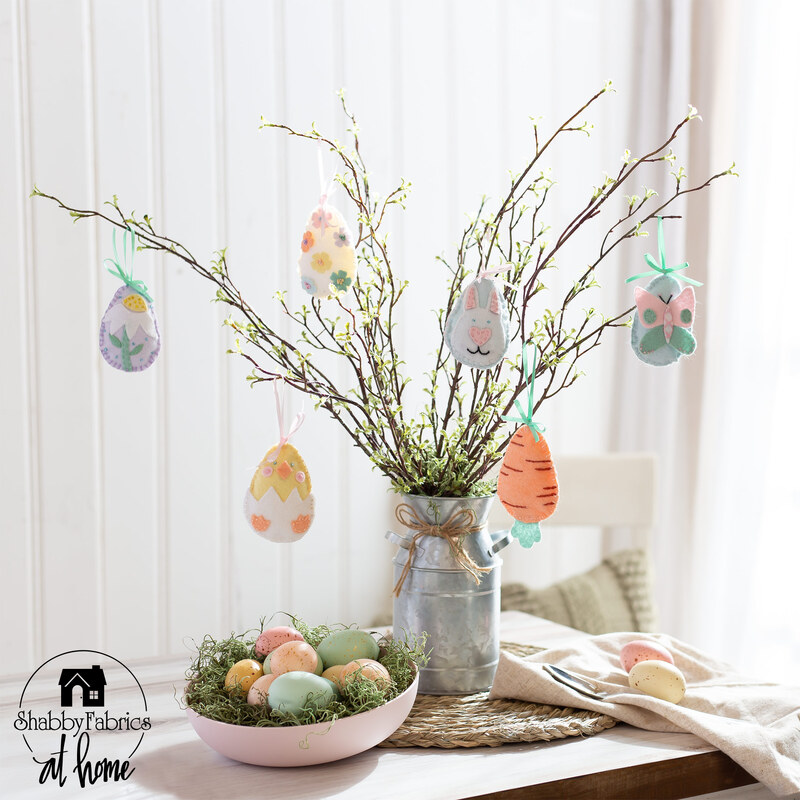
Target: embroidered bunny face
x=477, y=328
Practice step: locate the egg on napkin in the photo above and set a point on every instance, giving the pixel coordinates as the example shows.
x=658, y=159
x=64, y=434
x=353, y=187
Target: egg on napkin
x=279, y=505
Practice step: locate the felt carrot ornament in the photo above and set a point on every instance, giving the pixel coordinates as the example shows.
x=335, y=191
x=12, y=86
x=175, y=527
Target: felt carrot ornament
x=527, y=485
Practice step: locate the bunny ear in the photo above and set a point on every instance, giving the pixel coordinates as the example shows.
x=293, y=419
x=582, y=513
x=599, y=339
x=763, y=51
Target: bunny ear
x=494, y=304
x=472, y=298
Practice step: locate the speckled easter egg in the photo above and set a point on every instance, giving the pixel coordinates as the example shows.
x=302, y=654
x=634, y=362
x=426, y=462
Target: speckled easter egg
x=273, y=638
x=643, y=650
x=242, y=675
x=366, y=668
x=294, y=691
x=327, y=264
x=294, y=657
x=129, y=337
x=342, y=647
x=658, y=679
x=334, y=673
x=257, y=693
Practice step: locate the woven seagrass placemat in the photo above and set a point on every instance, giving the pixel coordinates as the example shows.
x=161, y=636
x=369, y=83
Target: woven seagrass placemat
x=476, y=721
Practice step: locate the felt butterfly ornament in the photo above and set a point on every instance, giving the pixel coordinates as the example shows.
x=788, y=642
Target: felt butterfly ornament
x=477, y=328
x=129, y=337
x=662, y=326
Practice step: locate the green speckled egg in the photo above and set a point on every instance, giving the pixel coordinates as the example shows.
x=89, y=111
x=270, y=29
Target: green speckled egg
x=294, y=691
x=342, y=647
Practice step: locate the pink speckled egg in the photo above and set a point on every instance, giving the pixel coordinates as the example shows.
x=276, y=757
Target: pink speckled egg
x=294, y=657
x=257, y=694
x=273, y=638
x=642, y=650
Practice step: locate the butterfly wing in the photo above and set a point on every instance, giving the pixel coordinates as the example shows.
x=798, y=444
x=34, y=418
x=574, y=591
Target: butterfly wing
x=682, y=308
x=653, y=340
x=682, y=340
x=649, y=308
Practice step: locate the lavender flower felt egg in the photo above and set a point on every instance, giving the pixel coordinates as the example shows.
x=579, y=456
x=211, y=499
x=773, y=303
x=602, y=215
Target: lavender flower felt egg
x=327, y=264
x=129, y=337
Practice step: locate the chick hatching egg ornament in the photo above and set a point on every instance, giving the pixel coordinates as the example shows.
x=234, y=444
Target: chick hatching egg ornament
x=129, y=337
x=278, y=504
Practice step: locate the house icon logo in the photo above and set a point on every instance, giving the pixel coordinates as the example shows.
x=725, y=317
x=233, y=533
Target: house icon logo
x=91, y=682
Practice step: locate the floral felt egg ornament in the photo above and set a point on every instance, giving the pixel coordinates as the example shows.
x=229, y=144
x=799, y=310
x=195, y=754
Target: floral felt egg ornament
x=129, y=338
x=327, y=264
x=477, y=328
x=278, y=504
x=662, y=325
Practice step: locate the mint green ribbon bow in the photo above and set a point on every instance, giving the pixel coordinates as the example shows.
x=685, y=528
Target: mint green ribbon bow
x=662, y=269
x=120, y=272
x=523, y=418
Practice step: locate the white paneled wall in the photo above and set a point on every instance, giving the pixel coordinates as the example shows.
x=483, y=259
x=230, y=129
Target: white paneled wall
x=121, y=493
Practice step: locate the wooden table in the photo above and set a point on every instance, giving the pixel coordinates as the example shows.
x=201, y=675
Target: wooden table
x=623, y=762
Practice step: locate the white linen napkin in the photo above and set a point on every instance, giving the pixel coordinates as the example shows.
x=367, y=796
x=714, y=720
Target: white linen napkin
x=757, y=724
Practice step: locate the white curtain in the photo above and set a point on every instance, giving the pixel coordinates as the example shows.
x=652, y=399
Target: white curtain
x=744, y=553
x=723, y=423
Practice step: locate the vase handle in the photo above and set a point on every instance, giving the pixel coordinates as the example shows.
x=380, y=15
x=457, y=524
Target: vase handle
x=398, y=539
x=500, y=539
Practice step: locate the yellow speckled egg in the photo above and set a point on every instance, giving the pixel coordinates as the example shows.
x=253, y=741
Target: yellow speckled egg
x=257, y=694
x=242, y=675
x=294, y=657
x=334, y=674
x=366, y=668
x=658, y=679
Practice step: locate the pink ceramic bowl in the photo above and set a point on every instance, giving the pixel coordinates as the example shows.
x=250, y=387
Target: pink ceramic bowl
x=302, y=745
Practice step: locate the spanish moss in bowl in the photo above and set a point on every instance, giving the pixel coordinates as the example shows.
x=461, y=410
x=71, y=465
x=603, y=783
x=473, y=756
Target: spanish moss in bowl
x=206, y=695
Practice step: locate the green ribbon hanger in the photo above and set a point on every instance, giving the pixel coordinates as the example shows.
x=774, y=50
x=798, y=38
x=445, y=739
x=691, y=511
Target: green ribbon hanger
x=126, y=276
x=523, y=418
x=662, y=269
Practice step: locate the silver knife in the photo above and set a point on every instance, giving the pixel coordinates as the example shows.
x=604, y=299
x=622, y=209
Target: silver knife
x=574, y=682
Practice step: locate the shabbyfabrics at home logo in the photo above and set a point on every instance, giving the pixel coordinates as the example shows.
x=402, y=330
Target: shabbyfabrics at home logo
x=82, y=716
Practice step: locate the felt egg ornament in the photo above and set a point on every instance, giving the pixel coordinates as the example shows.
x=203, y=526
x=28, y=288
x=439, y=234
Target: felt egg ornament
x=662, y=324
x=279, y=505
x=527, y=485
x=129, y=338
x=327, y=263
x=477, y=328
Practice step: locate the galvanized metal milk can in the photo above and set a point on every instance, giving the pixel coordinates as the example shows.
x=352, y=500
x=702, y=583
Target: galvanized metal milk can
x=441, y=597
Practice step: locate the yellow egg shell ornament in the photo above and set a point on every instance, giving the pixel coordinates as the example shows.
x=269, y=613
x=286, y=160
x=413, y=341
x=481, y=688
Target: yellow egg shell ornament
x=279, y=505
x=327, y=264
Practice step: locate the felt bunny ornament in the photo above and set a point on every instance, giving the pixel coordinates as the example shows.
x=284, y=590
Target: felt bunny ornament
x=477, y=328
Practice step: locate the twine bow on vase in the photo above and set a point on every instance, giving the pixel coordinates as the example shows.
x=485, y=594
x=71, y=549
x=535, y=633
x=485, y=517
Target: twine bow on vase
x=459, y=525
